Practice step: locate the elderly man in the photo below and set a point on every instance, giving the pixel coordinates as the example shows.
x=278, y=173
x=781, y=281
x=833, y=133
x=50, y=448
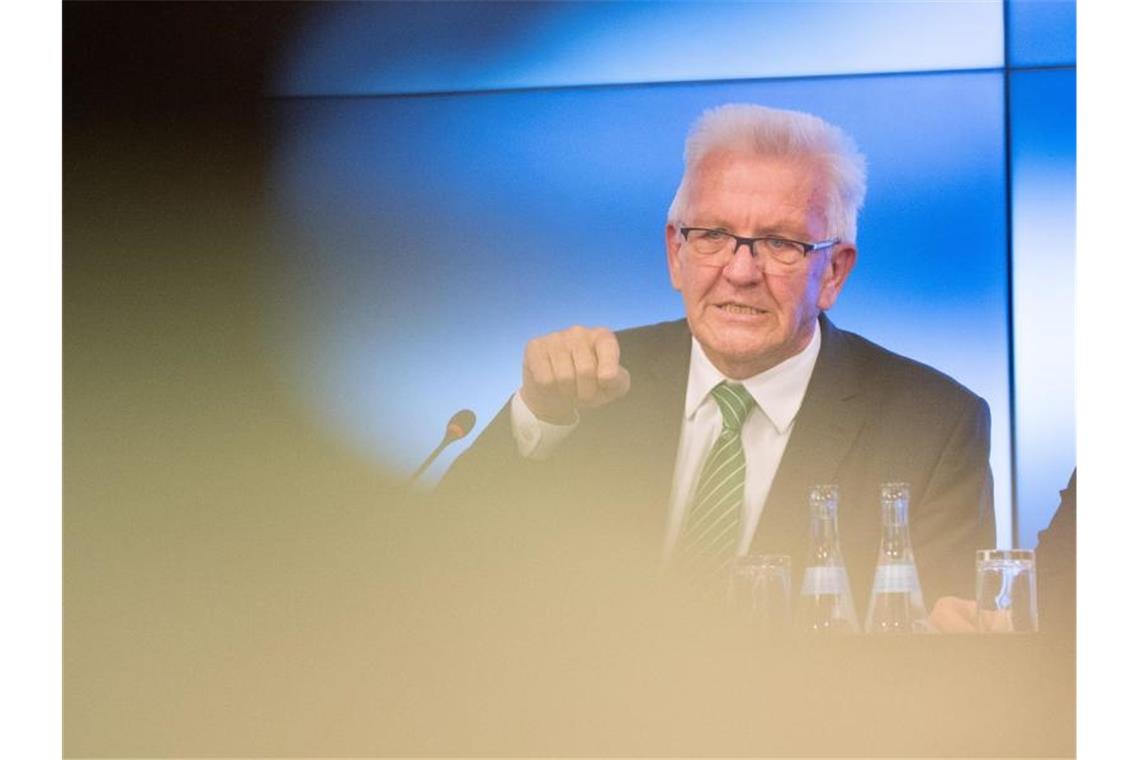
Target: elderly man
x=702, y=437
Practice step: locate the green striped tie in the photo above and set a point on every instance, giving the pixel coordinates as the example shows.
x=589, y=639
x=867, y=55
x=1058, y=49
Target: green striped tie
x=712, y=526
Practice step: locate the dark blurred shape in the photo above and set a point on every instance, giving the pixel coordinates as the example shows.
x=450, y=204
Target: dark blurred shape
x=1057, y=566
x=141, y=58
x=209, y=527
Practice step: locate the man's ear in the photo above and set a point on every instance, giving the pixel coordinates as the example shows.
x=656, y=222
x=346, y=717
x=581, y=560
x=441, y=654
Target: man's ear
x=673, y=254
x=839, y=265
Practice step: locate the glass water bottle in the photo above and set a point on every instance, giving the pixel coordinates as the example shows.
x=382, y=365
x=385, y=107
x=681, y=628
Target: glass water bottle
x=825, y=605
x=896, y=604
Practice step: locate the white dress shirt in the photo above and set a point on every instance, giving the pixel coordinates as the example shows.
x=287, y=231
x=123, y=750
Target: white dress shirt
x=778, y=392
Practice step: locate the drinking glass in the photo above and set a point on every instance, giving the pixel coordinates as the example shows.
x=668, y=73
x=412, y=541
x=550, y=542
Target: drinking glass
x=760, y=590
x=1006, y=590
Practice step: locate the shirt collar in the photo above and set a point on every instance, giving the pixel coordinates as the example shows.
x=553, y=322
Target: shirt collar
x=778, y=391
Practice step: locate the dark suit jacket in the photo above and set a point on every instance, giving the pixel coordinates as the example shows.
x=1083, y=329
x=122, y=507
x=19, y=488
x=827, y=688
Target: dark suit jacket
x=868, y=416
x=1057, y=566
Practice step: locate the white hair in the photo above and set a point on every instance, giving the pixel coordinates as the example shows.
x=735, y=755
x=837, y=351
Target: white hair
x=757, y=130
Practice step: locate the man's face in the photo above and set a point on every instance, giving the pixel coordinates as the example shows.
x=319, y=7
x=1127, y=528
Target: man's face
x=750, y=315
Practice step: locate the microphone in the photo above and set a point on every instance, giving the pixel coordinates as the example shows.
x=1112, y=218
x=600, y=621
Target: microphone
x=458, y=426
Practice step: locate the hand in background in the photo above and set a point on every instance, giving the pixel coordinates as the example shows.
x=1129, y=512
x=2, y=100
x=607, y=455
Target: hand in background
x=952, y=614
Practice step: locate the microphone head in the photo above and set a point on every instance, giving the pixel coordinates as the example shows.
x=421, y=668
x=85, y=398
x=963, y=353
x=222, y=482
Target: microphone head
x=460, y=424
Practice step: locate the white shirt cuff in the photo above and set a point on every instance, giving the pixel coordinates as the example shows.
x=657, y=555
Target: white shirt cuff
x=535, y=438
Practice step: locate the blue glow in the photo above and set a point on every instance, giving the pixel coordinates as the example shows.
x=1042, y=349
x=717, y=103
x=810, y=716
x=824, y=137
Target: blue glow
x=1043, y=116
x=424, y=240
x=386, y=48
x=1043, y=33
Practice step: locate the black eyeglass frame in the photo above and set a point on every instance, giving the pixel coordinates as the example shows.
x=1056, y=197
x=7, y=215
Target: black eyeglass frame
x=805, y=247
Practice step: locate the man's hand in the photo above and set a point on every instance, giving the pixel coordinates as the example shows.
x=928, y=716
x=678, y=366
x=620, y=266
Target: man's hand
x=572, y=369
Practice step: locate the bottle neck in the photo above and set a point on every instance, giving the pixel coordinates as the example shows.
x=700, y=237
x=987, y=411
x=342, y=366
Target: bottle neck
x=895, y=536
x=824, y=537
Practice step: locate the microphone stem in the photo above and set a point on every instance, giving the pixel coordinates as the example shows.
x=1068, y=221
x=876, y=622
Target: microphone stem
x=427, y=462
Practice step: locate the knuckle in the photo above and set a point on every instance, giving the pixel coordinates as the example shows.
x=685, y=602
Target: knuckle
x=575, y=335
x=536, y=346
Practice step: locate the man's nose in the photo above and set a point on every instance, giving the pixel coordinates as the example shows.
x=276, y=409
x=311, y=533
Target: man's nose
x=743, y=266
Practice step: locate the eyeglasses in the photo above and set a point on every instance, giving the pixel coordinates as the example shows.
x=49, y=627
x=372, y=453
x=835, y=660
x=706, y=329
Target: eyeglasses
x=717, y=247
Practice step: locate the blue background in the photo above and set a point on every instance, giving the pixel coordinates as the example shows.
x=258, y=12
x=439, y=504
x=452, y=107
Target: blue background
x=453, y=179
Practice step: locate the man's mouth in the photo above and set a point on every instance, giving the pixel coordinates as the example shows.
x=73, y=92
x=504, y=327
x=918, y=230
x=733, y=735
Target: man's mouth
x=739, y=308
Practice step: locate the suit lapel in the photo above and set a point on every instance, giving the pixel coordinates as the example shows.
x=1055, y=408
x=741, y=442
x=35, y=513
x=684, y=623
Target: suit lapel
x=833, y=410
x=668, y=378
x=618, y=467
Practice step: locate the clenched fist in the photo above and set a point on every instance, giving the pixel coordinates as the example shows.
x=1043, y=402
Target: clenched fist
x=572, y=369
